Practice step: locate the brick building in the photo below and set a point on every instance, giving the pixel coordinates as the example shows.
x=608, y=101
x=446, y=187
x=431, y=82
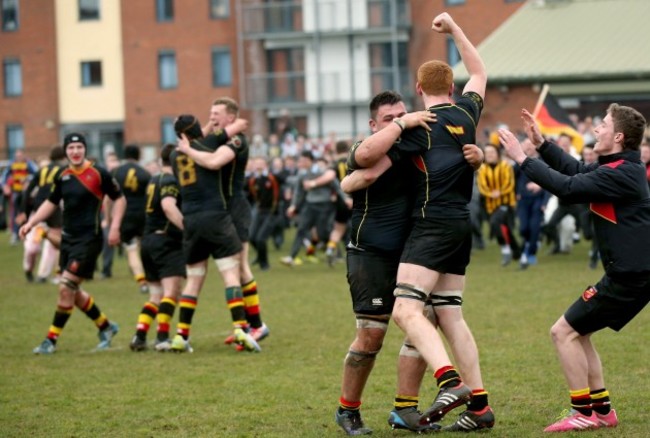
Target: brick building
x=122, y=71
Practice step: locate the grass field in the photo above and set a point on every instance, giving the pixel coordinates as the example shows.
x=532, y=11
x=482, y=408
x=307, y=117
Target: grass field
x=292, y=387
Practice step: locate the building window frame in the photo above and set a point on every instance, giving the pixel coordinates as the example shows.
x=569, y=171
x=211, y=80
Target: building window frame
x=453, y=55
x=15, y=138
x=219, y=9
x=91, y=74
x=167, y=70
x=10, y=15
x=12, y=71
x=164, y=11
x=167, y=131
x=89, y=10
x=455, y=2
x=221, y=67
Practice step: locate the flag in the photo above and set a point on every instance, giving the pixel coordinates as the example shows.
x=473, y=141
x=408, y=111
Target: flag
x=553, y=120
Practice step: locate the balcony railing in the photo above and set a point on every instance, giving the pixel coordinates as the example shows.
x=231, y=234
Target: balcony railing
x=273, y=18
x=322, y=16
x=316, y=89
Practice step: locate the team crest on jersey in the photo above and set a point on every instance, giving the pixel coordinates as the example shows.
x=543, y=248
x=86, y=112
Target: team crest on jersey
x=589, y=293
x=236, y=142
x=455, y=130
x=65, y=177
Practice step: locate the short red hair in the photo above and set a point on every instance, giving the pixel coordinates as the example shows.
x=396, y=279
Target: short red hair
x=435, y=77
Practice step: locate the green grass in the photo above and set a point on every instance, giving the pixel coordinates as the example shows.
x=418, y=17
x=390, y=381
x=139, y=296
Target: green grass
x=292, y=387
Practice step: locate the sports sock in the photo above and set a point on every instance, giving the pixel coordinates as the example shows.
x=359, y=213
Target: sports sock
x=581, y=401
x=235, y=301
x=140, y=279
x=479, y=400
x=61, y=316
x=146, y=317
x=600, y=401
x=92, y=311
x=187, y=305
x=164, y=317
x=252, y=304
x=405, y=401
x=447, y=377
x=345, y=405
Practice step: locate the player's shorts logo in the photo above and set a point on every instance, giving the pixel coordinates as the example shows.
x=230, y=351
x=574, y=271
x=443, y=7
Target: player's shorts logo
x=588, y=293
x=74, y=266
x=377, y=302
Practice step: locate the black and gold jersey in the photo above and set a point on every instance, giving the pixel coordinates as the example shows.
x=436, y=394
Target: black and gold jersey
x=445, y=178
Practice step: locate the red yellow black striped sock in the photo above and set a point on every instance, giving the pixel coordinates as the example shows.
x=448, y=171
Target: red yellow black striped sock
x=146, y=317
x=187, y=306
x=92, y=311
x=447, y=377
x=581, y=401
x=346, y=405
x=252, y=304
x=61, y=316
x=600, y=401
x=164, y=317
x=479, y=400
x=235, y=301
x=405, y=401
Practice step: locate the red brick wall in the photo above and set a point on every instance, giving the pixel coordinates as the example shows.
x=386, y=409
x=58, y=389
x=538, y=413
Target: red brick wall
x=34, y=43
x=191, y=35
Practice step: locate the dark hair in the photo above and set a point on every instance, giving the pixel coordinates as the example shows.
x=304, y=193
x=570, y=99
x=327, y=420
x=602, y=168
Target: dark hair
x=384, y=98
x=307, y=154
x=342, y=146
x=73, y=137
x=165, y=152
x=132, y=152
x=630, y=122
x=189, y=125
x=57, y=153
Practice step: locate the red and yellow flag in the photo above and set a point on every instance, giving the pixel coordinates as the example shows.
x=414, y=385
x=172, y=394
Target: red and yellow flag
x=553, y=120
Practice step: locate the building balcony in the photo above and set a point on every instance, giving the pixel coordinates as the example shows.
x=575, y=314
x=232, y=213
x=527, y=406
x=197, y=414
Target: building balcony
x=293, y=19
x=301, y=89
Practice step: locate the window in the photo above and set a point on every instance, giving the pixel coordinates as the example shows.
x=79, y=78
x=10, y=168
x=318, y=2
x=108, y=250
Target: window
x=167, y=71
x=388, y=67
x=167, y=132
x=219, y=8
x=453, y=57
x=9, y=15
x=91, y=73
x=164, y=10
x=454, y=2
x=88, y=10
x=15, y=139
x=13, y=77
x=286, y=83
x=221, y=67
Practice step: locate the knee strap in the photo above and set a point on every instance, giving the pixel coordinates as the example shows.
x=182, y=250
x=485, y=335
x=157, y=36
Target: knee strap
x=410, y=291
x=70, y=284
x=358, y=359
x=451, y=298
x=226, y=263
x=409, y=350
x=367, y=322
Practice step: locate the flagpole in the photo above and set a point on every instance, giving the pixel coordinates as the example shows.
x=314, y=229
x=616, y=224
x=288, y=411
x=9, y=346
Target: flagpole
x=540, y=100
